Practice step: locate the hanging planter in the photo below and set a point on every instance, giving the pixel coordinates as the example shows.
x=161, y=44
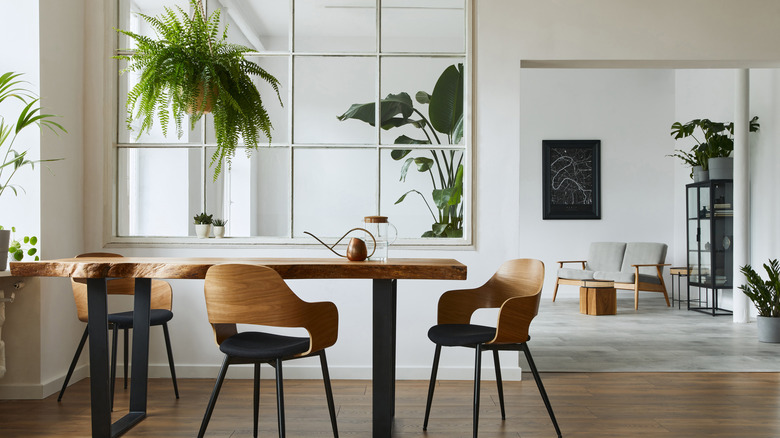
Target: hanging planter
x=189, y=57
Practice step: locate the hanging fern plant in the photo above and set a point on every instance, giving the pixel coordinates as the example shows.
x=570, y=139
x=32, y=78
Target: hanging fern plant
x=192, y=69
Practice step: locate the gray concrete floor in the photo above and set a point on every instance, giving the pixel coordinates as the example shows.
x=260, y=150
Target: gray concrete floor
x=654, y=338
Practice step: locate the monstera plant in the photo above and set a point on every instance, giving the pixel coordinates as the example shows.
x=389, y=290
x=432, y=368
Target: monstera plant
x=445, y=166
x=191, y=69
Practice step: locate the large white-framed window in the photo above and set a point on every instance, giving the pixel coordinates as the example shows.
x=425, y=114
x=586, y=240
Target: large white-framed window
x=319, y=173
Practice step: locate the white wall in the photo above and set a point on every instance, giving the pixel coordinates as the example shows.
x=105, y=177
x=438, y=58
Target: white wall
x=629, y=111
x=62, y=203
x=507, y=162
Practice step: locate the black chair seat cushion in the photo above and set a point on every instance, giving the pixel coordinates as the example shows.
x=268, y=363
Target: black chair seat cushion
x=262, y=346
x=124, y=320
x=453, y=335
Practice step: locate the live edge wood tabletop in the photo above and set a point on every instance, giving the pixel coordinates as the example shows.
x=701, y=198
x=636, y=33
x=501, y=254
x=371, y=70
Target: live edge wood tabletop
x=95, y=270
x=196, y=267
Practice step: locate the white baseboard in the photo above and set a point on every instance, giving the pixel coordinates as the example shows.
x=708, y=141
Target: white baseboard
x=40, y=391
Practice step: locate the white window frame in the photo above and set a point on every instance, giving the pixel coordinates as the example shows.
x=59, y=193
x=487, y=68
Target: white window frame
x=466, y=242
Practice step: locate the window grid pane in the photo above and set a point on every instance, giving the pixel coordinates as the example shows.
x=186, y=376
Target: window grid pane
x=314, y=69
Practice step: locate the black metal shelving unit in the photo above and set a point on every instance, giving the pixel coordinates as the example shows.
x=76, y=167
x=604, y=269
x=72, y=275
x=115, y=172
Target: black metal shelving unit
x=710, y=249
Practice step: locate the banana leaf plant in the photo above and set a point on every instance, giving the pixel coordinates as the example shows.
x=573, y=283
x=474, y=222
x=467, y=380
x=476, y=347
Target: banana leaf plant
x=11, y=87
x=445, y=166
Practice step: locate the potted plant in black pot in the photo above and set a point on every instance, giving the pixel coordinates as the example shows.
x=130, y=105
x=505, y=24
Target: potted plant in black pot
x=191, y=69
x=765, y=295
x=713, y=154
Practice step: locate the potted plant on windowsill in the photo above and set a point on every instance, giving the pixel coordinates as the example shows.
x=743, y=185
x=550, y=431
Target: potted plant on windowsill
x=713, y=154
x=219, y=228
x=203, y=225
x=191, y=69
x=445, y=117
x=13, y=160
x=766, y=297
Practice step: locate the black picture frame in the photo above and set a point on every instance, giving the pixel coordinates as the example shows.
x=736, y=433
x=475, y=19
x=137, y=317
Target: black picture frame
x=571, y=179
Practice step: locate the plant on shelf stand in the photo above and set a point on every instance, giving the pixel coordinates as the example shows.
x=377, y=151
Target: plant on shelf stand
x=765, y=295
x=203, y=225
x=718, y=141
x=190, y=68
x=445, y=116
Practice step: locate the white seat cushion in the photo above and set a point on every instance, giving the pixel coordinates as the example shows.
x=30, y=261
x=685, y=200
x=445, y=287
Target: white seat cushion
x=575, y=274
x=625, y=277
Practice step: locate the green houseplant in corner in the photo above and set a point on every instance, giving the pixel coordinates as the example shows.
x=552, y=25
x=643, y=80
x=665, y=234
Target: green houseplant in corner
x=192, y=69
x=765, y=295
x=445, y=117
x=12, y=88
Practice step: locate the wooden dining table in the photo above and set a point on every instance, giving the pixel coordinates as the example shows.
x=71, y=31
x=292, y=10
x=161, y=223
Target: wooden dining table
x=96, y=270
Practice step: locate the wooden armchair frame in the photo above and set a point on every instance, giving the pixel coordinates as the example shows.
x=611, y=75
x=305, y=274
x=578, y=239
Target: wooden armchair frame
x=636, y=286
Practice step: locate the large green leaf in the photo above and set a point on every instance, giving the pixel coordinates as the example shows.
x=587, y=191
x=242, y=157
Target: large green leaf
x=391, y=106
x=408, y=140
x=446, y=101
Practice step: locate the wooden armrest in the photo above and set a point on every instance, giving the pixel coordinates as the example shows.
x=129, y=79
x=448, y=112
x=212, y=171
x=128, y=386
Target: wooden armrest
x=651, y=264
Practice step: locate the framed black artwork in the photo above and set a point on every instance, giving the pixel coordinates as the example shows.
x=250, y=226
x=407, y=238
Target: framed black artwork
x=571, y=179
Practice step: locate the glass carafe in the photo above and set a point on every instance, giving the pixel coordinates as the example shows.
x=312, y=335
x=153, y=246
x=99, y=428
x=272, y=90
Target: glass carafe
x=380, y=228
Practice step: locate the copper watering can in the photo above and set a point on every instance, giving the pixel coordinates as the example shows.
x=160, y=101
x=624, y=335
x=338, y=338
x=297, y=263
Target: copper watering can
x=356, y=250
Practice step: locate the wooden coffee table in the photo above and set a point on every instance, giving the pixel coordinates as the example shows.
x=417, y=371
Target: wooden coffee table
x=598, y=297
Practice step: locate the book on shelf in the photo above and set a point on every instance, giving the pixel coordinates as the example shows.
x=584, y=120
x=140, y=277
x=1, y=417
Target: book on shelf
x=721, y=206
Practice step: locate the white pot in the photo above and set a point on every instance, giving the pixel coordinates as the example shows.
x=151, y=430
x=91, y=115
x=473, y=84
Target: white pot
x=219, y=232
x=5, y=240
x=202, y=230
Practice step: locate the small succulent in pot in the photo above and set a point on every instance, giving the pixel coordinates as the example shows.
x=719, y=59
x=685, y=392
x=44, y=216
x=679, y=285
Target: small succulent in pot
x=219, y=228
x=203, y=225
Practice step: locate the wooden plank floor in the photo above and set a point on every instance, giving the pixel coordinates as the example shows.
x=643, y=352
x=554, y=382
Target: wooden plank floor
x=730, y=405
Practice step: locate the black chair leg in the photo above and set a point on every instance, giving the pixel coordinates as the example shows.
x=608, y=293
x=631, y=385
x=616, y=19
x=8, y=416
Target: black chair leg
x=499, y=383
x=257, y=397
x=113, y=363
x=432, y=385
x=214, y=395
x=127, y=354
x=280, y=397
x=539, y=384
x=73, y=363
x=477, y=378
x=329, y=393
x=170, y=358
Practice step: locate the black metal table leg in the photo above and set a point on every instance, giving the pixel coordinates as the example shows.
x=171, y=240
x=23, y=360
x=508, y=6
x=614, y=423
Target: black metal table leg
x=384, y=321
x=98, y=353
x=97, y=326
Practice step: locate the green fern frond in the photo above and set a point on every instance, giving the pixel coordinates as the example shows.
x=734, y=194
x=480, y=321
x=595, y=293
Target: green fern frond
x=191, y=57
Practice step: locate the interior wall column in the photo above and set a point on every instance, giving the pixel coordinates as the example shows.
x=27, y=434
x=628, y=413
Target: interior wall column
x=741, y=192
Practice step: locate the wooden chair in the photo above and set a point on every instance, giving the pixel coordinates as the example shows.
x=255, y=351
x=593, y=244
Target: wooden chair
x=162, y=302
x=252, y=294
x=516, y=289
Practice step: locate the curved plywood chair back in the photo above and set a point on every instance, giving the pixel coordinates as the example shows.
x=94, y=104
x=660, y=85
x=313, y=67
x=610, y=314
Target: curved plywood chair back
x=514, y=278
x=254, y=294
